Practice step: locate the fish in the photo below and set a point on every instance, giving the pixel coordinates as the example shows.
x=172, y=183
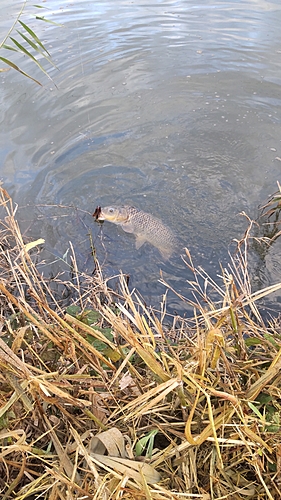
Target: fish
x=143, y=225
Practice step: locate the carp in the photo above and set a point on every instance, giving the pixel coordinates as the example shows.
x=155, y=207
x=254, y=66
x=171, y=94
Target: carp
x=143, y=225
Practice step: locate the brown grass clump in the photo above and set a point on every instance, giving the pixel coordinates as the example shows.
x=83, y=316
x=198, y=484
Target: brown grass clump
x=103, y=401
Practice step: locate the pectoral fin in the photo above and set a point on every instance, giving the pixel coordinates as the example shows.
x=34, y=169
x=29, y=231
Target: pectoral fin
x=140, y=240
x=128, y=227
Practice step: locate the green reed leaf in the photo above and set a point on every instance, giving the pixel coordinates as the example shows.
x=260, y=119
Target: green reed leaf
x=22, y=49
x=25, y=51
x=47, y=21
x=34, y=36
x=9, y=47
x=35, y=47
x=14, y=66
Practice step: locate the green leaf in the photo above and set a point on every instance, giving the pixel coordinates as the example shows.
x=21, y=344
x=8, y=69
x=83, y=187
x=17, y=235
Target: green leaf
x=23, y=49
x=263, y=398
x=47, y=21
x=272, y=419
x=30, y=42
x=9, y=47
x=255, y=410
x=73, y=310
x=103, y=348
x=34, y=36
x=98, y=344
x=33, y=45
x=113, y=355
x=147, y=443
x=271, y=339
x=273, y=428
x=14, y=66
x=252, y=341
x=91, y=315
x=107, y=332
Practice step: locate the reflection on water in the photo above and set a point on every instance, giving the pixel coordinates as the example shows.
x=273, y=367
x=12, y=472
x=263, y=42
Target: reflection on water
x=172, y=106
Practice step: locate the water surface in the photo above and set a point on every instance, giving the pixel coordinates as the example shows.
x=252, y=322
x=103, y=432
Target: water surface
x=173, y=106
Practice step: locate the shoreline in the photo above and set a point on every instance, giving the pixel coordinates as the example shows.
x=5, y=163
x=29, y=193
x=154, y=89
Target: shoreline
x=103, y=400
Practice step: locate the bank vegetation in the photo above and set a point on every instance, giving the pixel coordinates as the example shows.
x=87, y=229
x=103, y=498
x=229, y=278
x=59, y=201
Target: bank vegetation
x=102, y=398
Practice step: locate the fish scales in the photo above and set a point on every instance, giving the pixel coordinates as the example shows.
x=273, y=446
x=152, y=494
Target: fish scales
x=143, y=225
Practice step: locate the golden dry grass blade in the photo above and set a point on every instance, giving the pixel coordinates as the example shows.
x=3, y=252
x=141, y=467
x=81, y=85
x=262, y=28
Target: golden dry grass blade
x=8, y=358
x=131, y=337
x=89, y=347
x=264, y=379
x=12, y=400
x=205, y=411
x=20, y=391
x=65, y=463
x=31, y=318
x=150, y=399
x=130, y=468
x=88, y=329
x=255, y=438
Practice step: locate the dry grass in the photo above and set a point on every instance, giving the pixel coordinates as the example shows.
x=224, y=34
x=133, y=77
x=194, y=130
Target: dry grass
x=103, y=401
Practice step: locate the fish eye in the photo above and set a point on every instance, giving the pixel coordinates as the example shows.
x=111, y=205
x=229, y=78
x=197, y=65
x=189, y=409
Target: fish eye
x=111, y=210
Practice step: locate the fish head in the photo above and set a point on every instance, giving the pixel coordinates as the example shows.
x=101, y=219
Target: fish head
x=113, y=213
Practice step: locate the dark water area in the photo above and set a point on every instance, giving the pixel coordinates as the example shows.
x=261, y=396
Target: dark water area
x=171, y=106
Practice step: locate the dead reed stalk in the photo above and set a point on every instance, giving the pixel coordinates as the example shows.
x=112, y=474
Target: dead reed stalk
x=104, y=401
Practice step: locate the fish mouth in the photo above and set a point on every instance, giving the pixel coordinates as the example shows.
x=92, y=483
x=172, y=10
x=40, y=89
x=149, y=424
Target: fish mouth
x=101, y=217
x=98, y=214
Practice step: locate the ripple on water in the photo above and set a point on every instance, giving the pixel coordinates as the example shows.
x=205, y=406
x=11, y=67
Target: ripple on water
x=171, y=106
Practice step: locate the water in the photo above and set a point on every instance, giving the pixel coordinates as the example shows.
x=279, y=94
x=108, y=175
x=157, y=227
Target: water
x=173, y=106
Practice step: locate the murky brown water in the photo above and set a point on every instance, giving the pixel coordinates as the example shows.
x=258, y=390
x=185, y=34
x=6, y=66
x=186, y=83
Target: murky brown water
x=172, y=106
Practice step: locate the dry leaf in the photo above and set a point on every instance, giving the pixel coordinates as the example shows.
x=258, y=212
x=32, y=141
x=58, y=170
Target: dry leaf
x=33, y=244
